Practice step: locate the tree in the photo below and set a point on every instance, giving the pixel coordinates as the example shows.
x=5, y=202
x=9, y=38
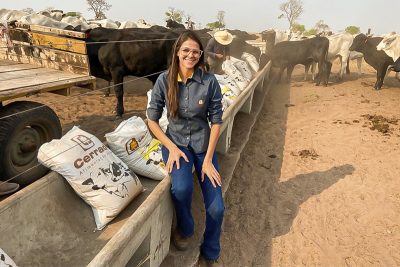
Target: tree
x=292, y=9
x=219, y=23
x=298, y=27
x=310, y=32
x=221, y=18
x=353, y=29
x=214, y=25
x=174, y=14
x=321, y=27
x=98, y=7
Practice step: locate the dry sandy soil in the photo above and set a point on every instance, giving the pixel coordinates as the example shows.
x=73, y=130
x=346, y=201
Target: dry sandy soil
x=318, y=182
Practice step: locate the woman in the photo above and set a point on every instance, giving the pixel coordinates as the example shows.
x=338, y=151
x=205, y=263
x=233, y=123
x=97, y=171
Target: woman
x=193, y=99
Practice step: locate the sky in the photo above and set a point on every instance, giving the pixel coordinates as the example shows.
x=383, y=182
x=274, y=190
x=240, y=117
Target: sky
x=249, y=15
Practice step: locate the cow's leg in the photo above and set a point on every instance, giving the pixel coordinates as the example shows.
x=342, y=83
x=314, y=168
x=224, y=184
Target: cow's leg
x=398, y=76
x=327, y=73
x=306, y=69
x=321, y=69
x=396, y=66
x=118, y=78
x=380, y=76
x=281, y=69
x=359, y=61
x=343, y=61
x=313, y=67
x=348, y=66
x=289, y=71
x=107, y=90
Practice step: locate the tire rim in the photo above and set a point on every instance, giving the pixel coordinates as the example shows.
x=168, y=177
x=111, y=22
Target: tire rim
x=24, y=145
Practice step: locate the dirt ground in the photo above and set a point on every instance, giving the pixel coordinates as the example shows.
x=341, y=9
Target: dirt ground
x=317, y=184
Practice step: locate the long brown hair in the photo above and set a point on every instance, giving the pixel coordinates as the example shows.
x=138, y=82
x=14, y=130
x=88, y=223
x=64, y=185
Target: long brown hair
x=173, y=70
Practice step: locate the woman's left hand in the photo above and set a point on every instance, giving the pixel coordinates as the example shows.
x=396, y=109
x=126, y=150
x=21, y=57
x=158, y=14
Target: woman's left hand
x=212, y=173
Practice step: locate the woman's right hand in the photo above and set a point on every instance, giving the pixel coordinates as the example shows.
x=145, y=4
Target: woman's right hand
x=174, y=155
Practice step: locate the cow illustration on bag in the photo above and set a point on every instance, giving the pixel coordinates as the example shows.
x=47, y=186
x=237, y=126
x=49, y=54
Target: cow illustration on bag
x=115, y=173
x=5, y=260
x=153, y=153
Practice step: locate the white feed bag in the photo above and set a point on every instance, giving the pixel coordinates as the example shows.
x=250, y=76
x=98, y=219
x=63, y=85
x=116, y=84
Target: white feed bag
x=230, y=69
x=252, y=61
x=227, y=95
x=5, y=260
x=98, y=176
x=228, y=81
x=243, y=67
x=163, y=121
x=133, y=143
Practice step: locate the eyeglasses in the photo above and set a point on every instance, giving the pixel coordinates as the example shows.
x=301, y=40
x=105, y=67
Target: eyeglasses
x=195, y=52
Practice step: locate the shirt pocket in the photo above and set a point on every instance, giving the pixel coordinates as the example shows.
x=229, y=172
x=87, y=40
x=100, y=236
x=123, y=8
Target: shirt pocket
x=200, y=103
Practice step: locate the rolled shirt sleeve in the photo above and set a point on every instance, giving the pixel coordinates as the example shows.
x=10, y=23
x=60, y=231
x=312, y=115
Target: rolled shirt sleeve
x=215, y=104
x=210, y=49
x=157, y=102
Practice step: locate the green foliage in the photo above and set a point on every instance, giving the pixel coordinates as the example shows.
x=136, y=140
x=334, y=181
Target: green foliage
x=310, y=32
x=296, y=27
x=73, y=14
x=353, y=29
x=215, y=25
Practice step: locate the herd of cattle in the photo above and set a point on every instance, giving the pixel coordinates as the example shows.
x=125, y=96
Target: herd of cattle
x=142, y=50
x=114, y=54
x=382, y=53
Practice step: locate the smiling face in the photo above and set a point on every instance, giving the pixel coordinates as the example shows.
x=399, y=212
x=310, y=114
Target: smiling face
x=189, y=54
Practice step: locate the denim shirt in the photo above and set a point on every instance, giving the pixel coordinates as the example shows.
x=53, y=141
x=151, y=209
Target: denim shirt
x=199, y=103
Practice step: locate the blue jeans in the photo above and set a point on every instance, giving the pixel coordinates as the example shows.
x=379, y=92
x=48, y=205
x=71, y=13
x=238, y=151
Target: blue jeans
x=181, y=191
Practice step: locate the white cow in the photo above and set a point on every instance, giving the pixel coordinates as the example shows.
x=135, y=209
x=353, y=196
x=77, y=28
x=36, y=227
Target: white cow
x=391, y=45
x=76, y=21
x=127, y=24
x=56, y=14
x=339, y=45
x=105, y=23
x=354, y=55
x=36, y=19
x=141, y=23
x=10, y=15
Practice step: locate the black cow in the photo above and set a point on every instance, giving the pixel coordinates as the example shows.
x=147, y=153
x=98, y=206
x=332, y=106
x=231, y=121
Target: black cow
x=133, y=54
x=288, y=54
x=377, y=59
x=396, y=66
x=238, y=46
x=269, y=38
x=174, y=25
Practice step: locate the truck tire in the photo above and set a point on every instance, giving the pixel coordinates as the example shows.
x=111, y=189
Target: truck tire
x=21, y=136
